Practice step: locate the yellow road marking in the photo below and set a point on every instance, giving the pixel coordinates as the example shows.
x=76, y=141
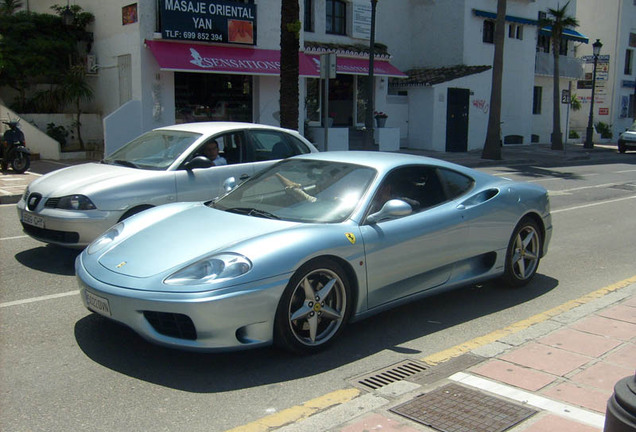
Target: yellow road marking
x=301, y=412
x=297, y=413
x=470, y=345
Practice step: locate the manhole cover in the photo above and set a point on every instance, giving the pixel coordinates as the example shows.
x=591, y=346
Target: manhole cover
x=454, y=408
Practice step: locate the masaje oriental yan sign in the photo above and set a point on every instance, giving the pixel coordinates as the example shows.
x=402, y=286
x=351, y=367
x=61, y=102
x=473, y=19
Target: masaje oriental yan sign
x=209, y=21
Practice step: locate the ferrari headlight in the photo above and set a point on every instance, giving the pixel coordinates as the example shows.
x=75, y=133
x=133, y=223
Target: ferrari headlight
x=105, y=239
x=211, y=269
x=75, y=202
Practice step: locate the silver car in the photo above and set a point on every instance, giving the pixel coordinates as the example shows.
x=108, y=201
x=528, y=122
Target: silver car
x=72, y=206
x=627, y=140
x=294, y=253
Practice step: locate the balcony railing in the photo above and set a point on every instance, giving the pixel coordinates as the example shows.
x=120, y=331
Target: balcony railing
x=569, y=67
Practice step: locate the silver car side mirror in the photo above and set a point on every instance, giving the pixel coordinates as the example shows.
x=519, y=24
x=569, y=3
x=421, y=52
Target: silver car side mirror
x=392, y=209
x=229, y=184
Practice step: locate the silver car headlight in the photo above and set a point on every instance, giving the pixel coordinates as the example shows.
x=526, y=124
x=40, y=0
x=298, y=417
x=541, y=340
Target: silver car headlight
x=211, y=269
x=105, y=239
x=75, y=202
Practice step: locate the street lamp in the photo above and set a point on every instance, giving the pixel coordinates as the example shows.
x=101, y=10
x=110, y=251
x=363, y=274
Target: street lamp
x=368, y=122
x=589, y=144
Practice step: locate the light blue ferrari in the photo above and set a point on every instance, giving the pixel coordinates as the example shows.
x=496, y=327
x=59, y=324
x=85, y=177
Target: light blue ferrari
x=316, y=241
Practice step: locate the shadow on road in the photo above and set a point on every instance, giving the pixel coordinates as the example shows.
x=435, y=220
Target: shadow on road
x=50, y=259
x=120, y=349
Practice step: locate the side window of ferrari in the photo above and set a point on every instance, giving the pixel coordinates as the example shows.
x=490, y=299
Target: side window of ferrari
x=454, y=183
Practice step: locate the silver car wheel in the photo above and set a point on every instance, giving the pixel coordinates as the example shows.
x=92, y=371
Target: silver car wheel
x=524, y=254
x=313, y=309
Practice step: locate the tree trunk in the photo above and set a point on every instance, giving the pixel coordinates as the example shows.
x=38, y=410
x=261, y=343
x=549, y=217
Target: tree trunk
x=79, y=125
x=556, y=139
x=492, y=146
x=289, y=47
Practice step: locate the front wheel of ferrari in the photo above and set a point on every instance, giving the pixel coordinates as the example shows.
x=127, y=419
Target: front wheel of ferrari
x=523, y=254
x=314, y=308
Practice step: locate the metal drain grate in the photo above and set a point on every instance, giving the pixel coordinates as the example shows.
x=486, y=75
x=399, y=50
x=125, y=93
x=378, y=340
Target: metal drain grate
x=454, y=408
x=391, y=374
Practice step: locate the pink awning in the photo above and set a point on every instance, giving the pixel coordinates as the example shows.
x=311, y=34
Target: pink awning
x=192, y=57
x=357, y=66
x=188, y=57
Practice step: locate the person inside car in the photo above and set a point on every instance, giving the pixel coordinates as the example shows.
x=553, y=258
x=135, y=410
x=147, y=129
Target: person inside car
x=211, y=151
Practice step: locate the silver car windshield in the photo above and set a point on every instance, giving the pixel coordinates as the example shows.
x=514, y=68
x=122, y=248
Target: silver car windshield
x=302, y=191
x=155, y=150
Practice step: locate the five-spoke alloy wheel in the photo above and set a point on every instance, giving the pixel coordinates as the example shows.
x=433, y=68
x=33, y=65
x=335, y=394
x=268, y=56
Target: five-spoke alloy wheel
x=524, y=253
x=314, y=307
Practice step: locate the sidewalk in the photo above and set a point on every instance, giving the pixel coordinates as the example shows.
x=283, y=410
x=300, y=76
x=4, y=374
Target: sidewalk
x=12, y=185
x=554, y=375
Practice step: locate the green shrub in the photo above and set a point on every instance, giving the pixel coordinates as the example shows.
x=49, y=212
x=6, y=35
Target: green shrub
x=574, y=134
x=58, y=133
x=603, y=129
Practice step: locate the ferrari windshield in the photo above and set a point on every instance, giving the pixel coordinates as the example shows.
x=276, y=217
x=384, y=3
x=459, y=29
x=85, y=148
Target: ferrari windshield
x=301, y=190
x=155, y=150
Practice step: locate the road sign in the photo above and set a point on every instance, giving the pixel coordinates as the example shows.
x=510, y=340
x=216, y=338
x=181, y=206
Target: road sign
x=565, y=96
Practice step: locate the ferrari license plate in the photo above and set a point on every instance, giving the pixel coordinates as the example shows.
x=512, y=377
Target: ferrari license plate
x=97, y=304
x=31, y=219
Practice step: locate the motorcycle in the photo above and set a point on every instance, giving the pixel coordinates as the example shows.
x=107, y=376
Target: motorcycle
x=14, y=151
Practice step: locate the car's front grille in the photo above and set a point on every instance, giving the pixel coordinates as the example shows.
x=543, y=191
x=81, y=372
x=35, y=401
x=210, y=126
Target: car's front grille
x=171, y=324
x=65, y=237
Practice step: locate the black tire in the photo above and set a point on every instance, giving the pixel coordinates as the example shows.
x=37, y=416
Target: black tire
x=134, y=211
x=622, y=147
x=523, y=254
x=308, y=325
x=20, y=163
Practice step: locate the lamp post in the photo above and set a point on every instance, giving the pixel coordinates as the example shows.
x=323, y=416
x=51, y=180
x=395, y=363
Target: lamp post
x=589, y=144
x=368, y=122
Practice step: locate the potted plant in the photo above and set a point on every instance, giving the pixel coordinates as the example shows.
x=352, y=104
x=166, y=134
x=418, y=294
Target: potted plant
x=332, y=116
x=380, y=118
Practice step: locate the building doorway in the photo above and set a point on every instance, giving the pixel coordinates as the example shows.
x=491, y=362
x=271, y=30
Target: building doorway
x=457, y=120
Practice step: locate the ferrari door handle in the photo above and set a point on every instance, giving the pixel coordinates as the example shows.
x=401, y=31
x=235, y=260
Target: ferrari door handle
x=244, y=177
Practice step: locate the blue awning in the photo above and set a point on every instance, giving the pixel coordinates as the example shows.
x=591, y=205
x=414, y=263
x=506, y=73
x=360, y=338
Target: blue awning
x=511, y=18
x=567, y=34
x=547, y=31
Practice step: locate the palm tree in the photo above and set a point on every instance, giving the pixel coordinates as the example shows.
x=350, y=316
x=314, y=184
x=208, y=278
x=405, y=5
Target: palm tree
x=289, y=47
x=492, y=146
x=8, y=7
x=558, y=20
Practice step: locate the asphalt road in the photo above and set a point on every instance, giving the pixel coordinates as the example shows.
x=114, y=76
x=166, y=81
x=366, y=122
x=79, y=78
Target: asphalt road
x=62, y=368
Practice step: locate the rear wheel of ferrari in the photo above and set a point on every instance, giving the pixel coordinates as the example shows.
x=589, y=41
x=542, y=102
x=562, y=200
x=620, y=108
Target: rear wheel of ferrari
x=314, y=307
x=524, y=254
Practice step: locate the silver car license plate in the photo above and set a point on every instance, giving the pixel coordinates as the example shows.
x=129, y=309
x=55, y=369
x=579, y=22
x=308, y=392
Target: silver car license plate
x=97, y=304
x=31, y=219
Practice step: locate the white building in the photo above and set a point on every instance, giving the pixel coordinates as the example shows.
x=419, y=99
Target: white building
x=157, y=62
x=613, y=22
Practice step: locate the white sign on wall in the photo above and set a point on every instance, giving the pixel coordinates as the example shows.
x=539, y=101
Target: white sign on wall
x=361, y=16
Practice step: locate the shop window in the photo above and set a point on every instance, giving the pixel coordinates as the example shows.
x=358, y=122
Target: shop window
x=536, y=100
x=629, y=61
x=212, y=97
x=488, y=35
x=309, y=16
x=336, y=17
